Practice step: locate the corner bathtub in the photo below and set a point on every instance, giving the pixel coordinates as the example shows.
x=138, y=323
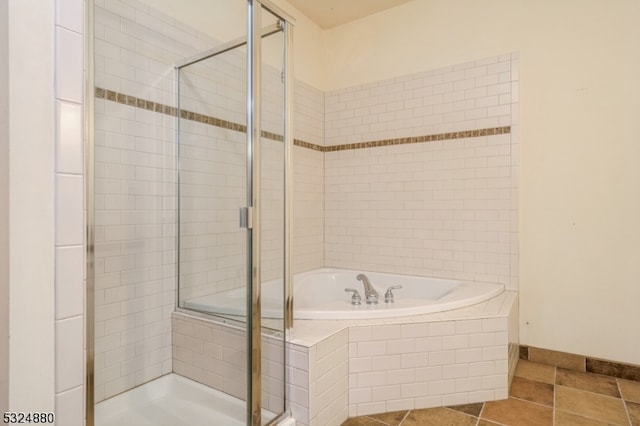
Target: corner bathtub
x=320, y=294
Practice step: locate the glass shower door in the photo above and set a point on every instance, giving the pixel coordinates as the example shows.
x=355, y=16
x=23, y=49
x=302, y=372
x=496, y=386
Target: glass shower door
x=213, y=249
x=231, y=210
x=213, y=185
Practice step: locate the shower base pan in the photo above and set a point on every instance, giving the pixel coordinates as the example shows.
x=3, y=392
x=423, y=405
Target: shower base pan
x=171, y=400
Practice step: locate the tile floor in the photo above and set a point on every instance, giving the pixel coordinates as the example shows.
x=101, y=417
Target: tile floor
x=540, y=395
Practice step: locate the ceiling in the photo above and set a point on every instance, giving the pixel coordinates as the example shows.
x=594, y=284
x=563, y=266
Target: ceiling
x=331, y=13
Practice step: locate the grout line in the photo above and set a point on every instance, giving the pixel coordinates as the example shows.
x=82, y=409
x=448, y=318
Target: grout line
x=593, y=393
x=495, y=422
x=533, y=402
x=404, y=418
x=482, y=411
x=580, y=414
x=555, y=379
x=462, y=412
x=624, y=402
x=377, y=421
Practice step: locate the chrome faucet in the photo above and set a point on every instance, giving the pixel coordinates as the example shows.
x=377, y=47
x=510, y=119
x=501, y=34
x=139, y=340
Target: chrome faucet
x=370, y=293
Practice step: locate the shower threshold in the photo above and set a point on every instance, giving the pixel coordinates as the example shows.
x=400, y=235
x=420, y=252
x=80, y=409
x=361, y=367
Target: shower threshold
x=172, y=400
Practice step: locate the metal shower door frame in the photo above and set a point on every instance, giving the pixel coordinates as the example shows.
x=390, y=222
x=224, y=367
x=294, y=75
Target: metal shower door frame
x=252, y=211
x=254, y=109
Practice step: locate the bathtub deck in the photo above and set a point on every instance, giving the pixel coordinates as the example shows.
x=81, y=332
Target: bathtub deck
x=308, y=333
x=347, y=368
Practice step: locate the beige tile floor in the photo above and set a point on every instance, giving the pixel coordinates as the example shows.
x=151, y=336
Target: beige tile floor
x=540, y=395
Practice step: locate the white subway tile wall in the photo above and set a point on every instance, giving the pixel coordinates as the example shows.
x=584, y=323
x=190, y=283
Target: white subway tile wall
x=433, y=360
x=135, y=196
x=298, y=373
x=215, y=355
x=329, y=380
x=210, y=353
x=317, y=385
x=462, y=97
x=444, y=208
x=135, y=246
x=308, y=123
x=308, y=181
x=455, y=357
x=69, y=213
x=308, y=209
x=212, y=189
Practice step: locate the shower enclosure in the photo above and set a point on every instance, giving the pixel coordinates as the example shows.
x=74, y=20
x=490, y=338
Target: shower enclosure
x=192, y=199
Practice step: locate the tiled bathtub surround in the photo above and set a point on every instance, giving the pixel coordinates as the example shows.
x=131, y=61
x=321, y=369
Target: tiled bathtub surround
x=340, y=369
x=318, y=380
x=457, y=357
x=442, y=208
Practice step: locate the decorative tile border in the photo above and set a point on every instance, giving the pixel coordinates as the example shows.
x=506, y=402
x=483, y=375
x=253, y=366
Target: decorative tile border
x=309, y=145
x=133, y=101
x=420, y=139
x=580, y=363
x=213, y=121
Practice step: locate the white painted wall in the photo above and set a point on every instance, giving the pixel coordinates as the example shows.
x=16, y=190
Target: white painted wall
x=31, y=204
x=579, y=100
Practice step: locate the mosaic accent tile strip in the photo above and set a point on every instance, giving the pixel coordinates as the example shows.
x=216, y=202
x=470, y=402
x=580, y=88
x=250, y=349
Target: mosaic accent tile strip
x=420, y=139
x=121, y=98
x=213, y=121
x=309, y=145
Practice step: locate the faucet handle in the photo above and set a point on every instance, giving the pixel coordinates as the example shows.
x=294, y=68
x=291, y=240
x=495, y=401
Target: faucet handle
x=355, y=299
x=388, y=296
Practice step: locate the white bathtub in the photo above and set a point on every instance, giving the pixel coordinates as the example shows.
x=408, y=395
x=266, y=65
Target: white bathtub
x=320, y=294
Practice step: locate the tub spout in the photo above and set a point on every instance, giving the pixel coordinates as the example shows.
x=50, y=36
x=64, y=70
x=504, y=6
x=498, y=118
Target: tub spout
x=370, y=293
